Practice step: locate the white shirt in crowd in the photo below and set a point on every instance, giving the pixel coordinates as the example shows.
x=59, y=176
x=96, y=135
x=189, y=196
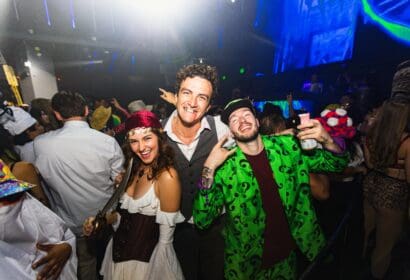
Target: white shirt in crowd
x=79, y=165
x=22, y=226
x=26, y=152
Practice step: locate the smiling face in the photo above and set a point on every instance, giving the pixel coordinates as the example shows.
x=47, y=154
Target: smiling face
x=193, y=100
x=243, y=125
x=145, y=144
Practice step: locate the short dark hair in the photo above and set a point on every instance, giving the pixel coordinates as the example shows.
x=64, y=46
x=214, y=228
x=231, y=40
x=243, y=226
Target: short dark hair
x=69, y=104
x=206, y=72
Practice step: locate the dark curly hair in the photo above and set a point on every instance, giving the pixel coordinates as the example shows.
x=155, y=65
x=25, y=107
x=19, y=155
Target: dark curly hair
x=164, y=161
x=198, y=70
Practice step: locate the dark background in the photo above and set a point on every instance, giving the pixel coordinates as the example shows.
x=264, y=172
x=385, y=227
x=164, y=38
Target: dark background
x=139, y=56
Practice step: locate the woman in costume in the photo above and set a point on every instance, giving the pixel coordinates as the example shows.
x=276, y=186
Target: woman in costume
x=386, y=187
x=141, y=247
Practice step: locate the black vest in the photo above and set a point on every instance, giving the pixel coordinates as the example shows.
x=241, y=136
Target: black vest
x=190, y=171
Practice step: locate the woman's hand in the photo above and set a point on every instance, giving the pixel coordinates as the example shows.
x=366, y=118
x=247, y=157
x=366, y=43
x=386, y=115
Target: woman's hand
x=88, y=226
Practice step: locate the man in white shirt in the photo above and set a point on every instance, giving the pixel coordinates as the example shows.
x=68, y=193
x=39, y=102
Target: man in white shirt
x=79, y=165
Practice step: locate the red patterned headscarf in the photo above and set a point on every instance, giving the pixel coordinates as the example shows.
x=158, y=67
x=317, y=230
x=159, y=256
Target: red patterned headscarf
x=142, y=119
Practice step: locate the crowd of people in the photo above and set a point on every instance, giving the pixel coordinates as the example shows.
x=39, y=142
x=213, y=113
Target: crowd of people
x=97, y=191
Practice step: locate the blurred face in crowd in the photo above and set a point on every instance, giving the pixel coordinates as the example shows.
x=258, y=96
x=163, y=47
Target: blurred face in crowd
x=144, y=143
x=193, y=100
x=35, y=131
x=243, y=125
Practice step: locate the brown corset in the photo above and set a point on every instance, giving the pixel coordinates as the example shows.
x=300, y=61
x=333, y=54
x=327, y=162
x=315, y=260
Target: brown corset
x=135, y=238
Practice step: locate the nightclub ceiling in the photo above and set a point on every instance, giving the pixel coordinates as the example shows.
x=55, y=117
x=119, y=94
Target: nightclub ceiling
x=128, y=45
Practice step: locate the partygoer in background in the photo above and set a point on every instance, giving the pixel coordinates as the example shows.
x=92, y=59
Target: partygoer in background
x=272, y=122
x=40, y=109
x=401, y=83
x=24, y=129
x=386, y=187
x=80, y=166
x=34, y=242
x=265, y=224
x=102, y=121
x=149, y=209
x=23, y=170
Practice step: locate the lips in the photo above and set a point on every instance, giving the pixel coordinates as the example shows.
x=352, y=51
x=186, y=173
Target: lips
x=245, y=127
x=190, y=110
x=145, y=155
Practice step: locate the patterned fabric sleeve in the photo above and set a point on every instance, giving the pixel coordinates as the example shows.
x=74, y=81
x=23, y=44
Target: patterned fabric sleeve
x=296, y=165
x=305, y=225
x=320, y=160
x=208, y=204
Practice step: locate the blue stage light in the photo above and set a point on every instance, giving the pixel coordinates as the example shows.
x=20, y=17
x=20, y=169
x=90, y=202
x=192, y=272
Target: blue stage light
x=72, y=14
x=47, y=14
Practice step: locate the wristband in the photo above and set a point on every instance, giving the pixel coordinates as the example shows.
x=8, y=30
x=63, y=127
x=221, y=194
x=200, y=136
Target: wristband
x=202, y=187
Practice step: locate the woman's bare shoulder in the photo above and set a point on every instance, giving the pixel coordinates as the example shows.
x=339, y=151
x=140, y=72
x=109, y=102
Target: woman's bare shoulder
x=168, y=174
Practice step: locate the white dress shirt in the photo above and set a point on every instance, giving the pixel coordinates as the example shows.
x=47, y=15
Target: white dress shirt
x=79, y=165
x=189, y=149
x=22, y=226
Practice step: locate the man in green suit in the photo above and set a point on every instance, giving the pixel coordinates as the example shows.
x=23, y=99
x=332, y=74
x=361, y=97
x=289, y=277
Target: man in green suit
x=263, y=184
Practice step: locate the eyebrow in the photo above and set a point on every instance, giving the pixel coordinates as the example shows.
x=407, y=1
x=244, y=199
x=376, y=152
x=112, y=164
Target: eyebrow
x=182, y=89
x=200, y=94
